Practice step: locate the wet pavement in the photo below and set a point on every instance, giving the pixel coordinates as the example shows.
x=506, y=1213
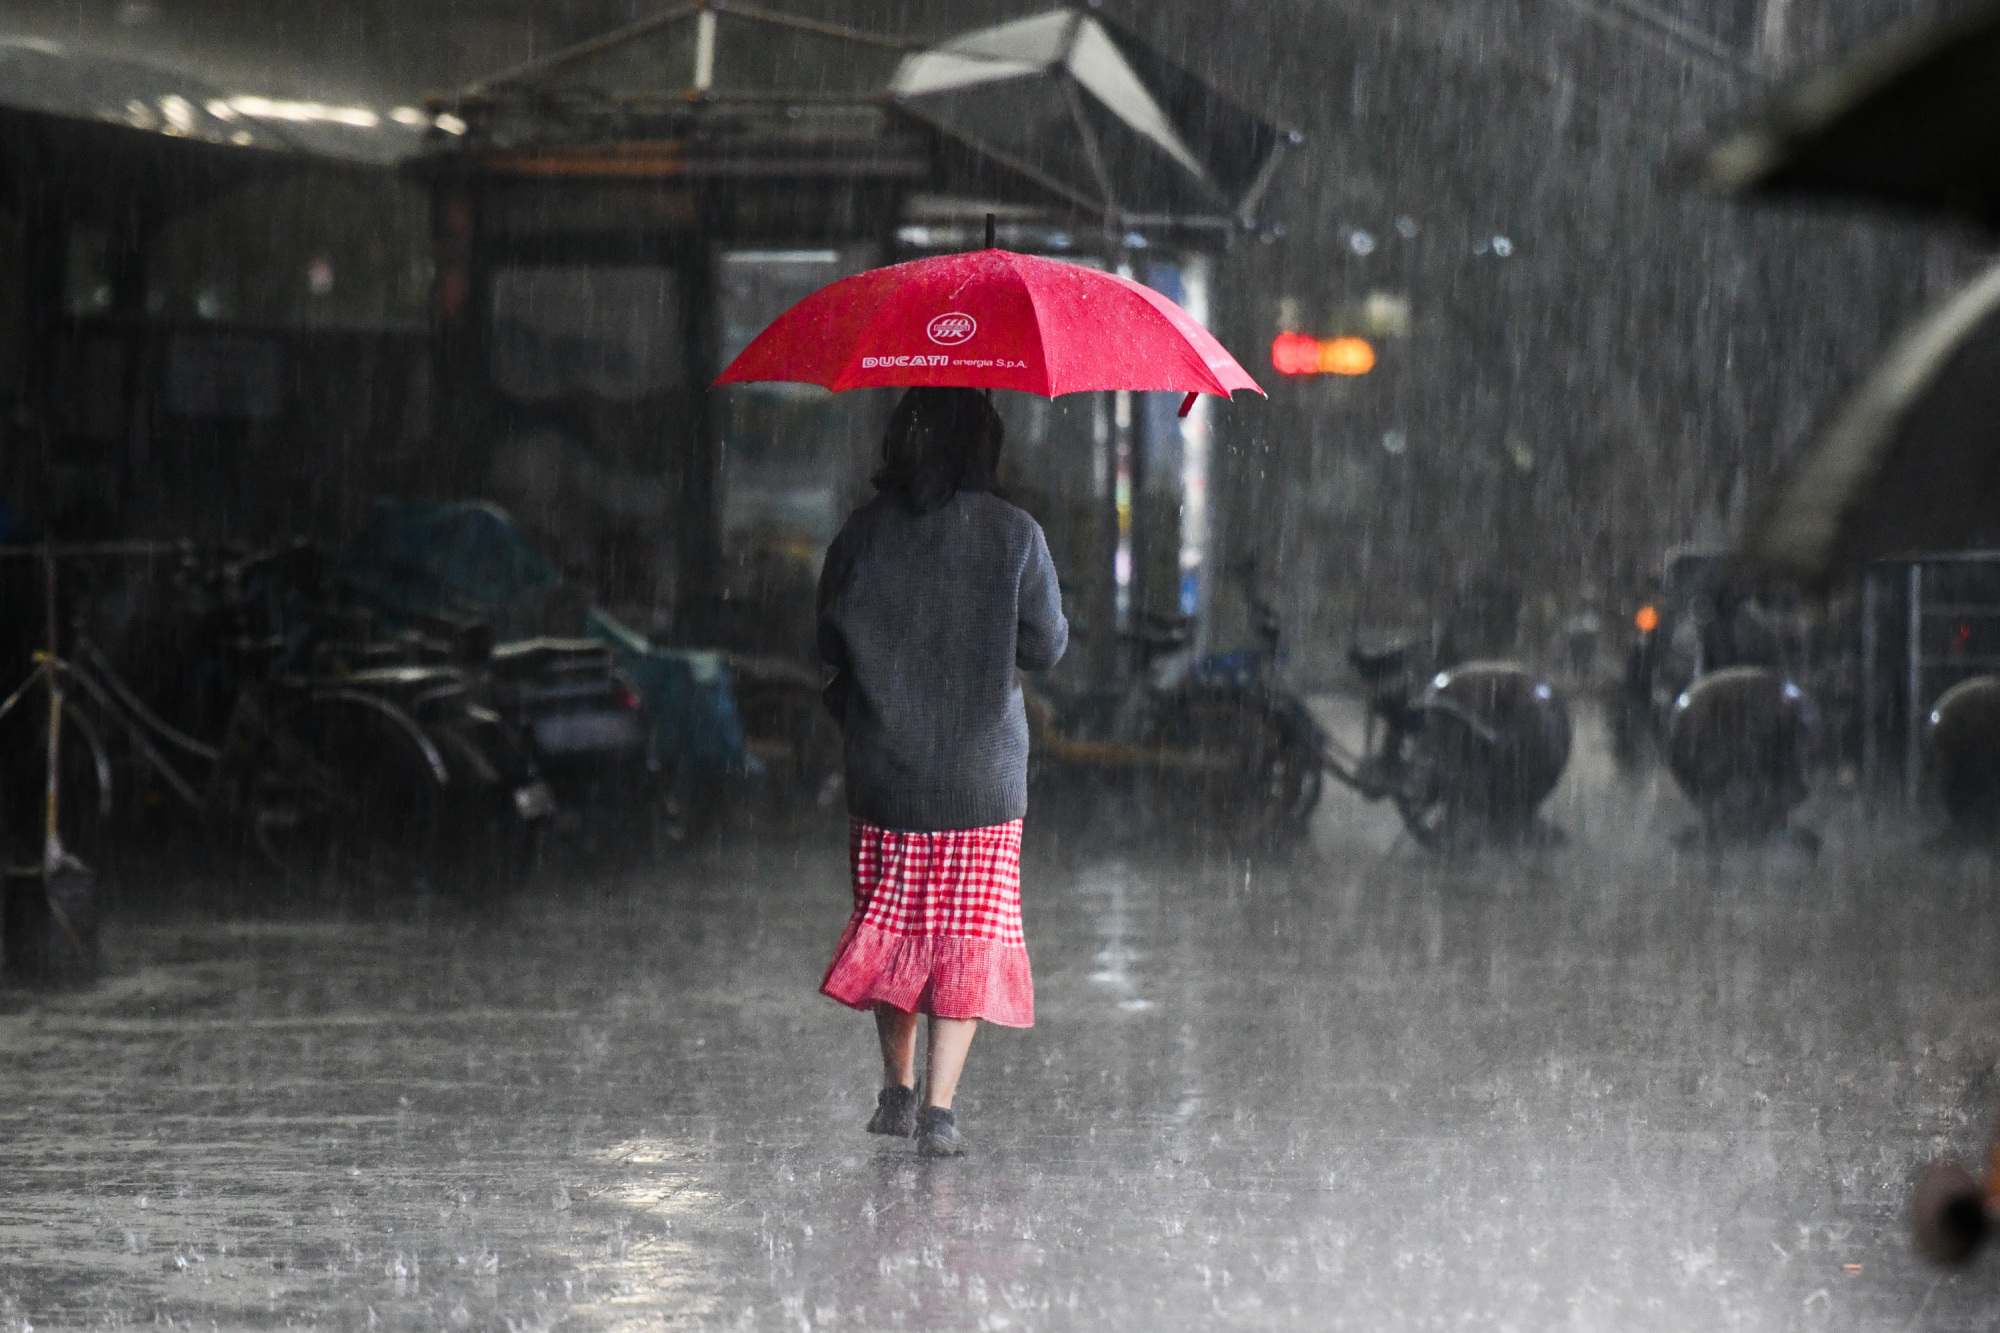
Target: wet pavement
x=1606, y=1085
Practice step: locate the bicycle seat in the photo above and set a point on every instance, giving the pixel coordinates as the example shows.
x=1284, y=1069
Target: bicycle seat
x=422, y=691
x=1375, y=660
x=537, y=659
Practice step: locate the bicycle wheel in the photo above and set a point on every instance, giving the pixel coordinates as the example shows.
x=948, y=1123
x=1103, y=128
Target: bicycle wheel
x=1421, y=803
x=1303, y=737
x=1231, y=768
x=1442, y=770
x=347, y=789
x=487, y=848
x=85, y=777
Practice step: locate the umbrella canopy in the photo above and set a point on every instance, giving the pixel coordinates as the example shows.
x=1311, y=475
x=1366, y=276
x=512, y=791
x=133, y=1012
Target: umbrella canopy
x=1911, y=464
x=1914, y=125
x=990, y=319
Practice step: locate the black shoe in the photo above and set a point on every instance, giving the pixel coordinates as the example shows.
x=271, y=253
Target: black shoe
x=895, y=1111
x=937, y=1133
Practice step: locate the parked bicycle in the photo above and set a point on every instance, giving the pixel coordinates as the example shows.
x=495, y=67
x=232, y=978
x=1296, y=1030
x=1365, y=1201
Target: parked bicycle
x=1466, y=757
x=330, y=752
x=1214, y=744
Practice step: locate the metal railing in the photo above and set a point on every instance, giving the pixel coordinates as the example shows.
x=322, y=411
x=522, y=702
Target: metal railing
x=1909, y=596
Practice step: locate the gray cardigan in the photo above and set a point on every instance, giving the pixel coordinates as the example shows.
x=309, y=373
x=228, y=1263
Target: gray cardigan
x=924, y=619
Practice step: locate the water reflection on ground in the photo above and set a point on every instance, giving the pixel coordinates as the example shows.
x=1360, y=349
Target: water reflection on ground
x=1607, y=1085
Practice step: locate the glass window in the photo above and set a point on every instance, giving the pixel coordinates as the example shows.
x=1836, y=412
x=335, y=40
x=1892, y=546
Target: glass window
x=795, y=457
x=87, y=272
x=315, y=250
x=611, y=332
x=13, y=307
x=589, y=365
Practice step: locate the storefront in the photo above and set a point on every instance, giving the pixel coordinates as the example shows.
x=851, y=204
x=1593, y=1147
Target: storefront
x=214, y=312
x=620, y=219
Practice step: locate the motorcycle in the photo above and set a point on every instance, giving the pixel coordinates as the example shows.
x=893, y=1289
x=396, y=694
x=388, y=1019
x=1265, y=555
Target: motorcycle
x=1713, y=688
x=1467, y=759
x=1961, y=731
x=1739, y=745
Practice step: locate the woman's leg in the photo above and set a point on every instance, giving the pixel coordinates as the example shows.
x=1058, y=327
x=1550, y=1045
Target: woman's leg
x=951, y=1038
x=898, y=1034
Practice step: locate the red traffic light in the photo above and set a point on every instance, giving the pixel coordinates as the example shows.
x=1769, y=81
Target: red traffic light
x=1295, y=354
x=1303, y=354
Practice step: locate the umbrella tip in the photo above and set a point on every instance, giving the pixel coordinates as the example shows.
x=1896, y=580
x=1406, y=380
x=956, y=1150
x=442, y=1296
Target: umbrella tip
x=991, y=231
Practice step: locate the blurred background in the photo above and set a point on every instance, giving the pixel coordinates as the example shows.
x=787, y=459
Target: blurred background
x=437, y=728
x=1579, y=361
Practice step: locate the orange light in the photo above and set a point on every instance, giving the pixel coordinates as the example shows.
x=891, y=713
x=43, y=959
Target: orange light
x=1647, y=620
x=1346, y=356
x=1295, y=354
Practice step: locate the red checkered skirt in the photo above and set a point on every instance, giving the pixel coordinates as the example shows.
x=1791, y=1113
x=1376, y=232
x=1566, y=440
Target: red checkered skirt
x=936, y=926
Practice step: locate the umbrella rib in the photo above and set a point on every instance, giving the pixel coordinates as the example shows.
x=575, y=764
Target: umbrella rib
x=823, y=29
x=868, y=331
x=1082, y=330
x=1246, y=207
x=1138, y=291
x=1041, y=336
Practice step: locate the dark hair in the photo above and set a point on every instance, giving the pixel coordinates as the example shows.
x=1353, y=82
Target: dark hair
x=940, y=442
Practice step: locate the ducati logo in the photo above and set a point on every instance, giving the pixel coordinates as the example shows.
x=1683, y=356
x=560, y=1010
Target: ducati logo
x=951, y=328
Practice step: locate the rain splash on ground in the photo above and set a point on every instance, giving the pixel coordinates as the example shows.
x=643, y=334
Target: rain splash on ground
x=1607, y=1085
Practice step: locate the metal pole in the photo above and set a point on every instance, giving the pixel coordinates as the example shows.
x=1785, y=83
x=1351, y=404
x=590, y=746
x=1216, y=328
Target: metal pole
x=52, y=848
x=1141, y=446
x=1124, y=507
x=1871, y=721
x=1191, y=567
x=1913, y=712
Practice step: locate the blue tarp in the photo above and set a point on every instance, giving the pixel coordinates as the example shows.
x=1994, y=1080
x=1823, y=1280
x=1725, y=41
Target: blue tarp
x=690, y=697
x=468, y=558
x=461, y=558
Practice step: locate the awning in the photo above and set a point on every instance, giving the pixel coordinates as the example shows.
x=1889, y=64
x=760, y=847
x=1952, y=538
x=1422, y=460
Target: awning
x=1062, y=113
x=706, y=88
x=1069, y=107
x=57, y=80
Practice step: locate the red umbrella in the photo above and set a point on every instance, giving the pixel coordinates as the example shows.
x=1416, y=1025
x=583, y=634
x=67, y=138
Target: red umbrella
x=991, y=319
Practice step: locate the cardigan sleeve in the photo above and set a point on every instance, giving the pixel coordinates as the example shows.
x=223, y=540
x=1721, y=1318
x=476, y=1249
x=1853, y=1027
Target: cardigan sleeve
x=1043, y=632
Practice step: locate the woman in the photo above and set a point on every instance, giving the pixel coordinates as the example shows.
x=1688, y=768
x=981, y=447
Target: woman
x=932, y=595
